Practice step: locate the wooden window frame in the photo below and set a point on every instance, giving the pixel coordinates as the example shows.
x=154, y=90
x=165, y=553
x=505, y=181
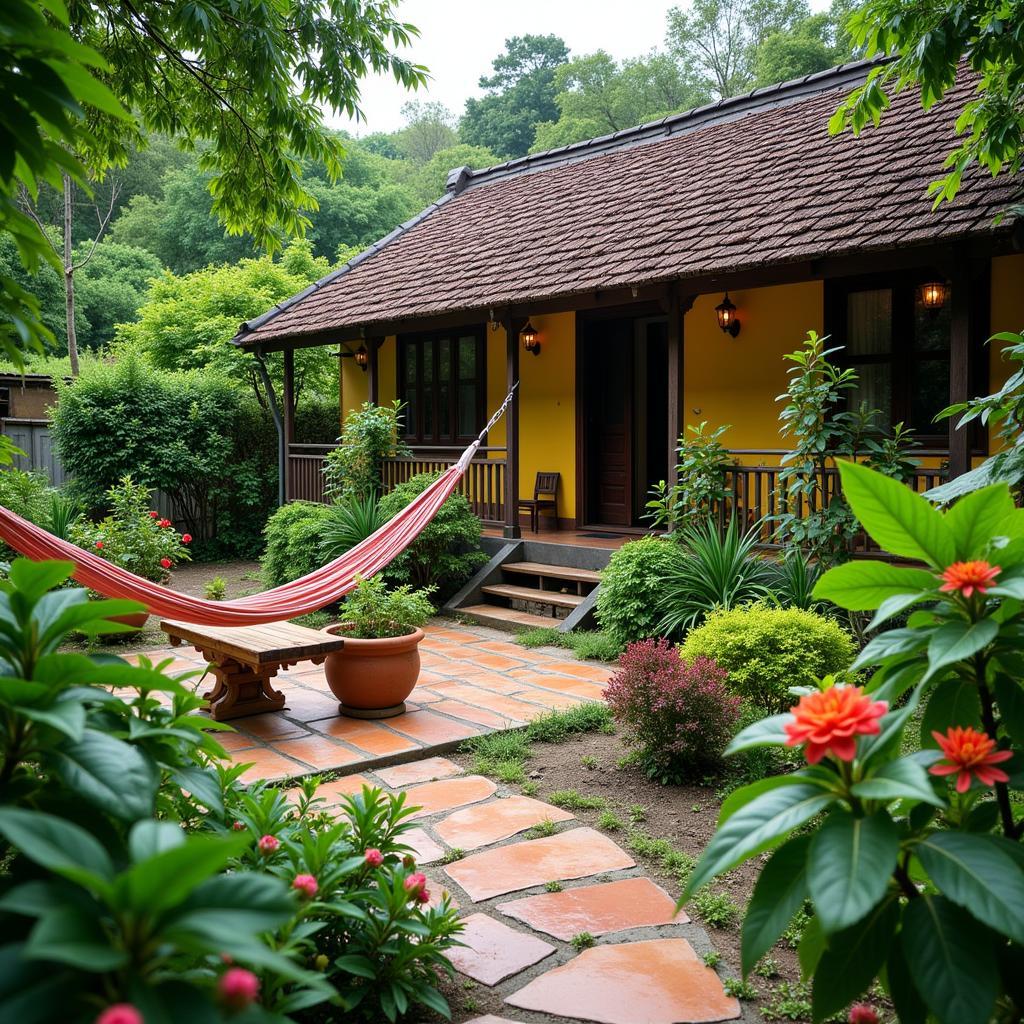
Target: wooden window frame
x=427, y=340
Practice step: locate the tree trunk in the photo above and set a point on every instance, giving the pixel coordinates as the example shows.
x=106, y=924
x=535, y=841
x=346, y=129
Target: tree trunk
x=69, y=277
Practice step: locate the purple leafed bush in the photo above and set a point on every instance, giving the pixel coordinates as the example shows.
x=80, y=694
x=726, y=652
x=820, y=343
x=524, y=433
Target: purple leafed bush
x=677, y=715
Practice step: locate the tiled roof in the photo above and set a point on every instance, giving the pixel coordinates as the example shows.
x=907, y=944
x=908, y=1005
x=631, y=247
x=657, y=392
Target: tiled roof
x=737, y=185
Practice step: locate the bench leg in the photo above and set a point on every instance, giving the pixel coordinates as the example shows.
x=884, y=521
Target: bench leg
x=239, y=691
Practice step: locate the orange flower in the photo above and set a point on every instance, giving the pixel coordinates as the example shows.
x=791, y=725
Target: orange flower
x=829, y=720
x=970, y=754
x=969, y=577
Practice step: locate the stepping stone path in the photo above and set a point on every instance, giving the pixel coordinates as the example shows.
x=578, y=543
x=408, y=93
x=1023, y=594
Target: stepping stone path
x=646, y=966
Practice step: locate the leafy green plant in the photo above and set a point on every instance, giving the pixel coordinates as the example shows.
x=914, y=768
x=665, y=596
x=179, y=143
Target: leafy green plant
x=914, y=875
x=543, y=829
x=791, y=580
x=701, y=461
x=635, y=572
x=552, y=886
x=65, y=513
x=768, y=650
x=26, y=494
x=588, y=761
x=447, y=551
x=351, y=521
x=215, y=589
x=573, y=800
x=719, y=570
x=373, y=612
x=555, y=726
x=609, y=822
x=293, y=535
x=585, y=644
x=582, y=941
x=369, y=435
x=716, y=907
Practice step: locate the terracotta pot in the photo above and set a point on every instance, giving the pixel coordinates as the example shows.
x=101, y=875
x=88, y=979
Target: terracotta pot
x=372, y=678
x=136, y=619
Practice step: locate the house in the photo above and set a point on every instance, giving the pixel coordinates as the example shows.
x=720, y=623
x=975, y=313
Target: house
x=619, y=253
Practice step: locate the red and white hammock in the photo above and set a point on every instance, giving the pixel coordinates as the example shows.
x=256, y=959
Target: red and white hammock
x=304, y=595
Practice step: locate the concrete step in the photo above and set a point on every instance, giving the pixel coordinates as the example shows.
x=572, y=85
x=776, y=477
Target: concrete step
x=550, y=597
x=506, y=618
x=553, y=572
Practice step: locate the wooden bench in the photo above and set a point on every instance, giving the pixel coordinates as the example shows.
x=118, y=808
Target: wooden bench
x=245, y=658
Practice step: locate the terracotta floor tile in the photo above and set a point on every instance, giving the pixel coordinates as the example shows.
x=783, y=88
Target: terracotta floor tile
x=427, y=677
x=232, y=741
x=427, y=770
x=483, y=824
x=503, y=647
x=598, y=909
x=271, y=726
x=373, y=737
x=494, y=682
x=507, y=707
x=497, y=661
x=458, y=669
x=347, y=785
x=429, y=728
x=432, y=797
x=490, y=1019
x=469, y=713
x=458, y=636
x=550, y=682
x=305, y=706
x=657, y=982
x=493, y=951
x=424, y=696
x=266, y=764
x=573, y=854
x=424, y=849
x=556, y=701
x=317, y=751
x=575, y=668
x=592, y=691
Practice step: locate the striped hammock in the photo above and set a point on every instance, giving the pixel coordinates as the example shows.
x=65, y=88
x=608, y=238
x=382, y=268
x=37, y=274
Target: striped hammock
x=307, y=594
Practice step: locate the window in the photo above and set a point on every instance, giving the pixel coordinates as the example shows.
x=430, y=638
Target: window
x=442, y=381
x=899, y=348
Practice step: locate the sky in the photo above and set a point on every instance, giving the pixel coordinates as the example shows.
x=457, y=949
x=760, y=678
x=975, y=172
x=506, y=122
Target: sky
x=459, y=39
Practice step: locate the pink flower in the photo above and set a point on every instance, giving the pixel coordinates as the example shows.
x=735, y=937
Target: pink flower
x=238, y=988
x=166, y=563
x=186, y=538
x=305, y=884
x=969, y=578
x=415, y=884
x=99, y=545
x=268, y=845
x=120, y=1013
x=238, y=826
x=424, y=896
x=373, y=857
x=164, y=523
x=862, y=1013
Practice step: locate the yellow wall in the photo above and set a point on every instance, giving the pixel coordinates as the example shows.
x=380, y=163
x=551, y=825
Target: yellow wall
x=735, y=380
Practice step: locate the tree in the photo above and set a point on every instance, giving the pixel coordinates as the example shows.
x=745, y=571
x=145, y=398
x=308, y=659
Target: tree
x=722, y=37
x=812, y=44
x=429, y=181
x=520, y=95
x=429, y=127
x=930, y=39
x=111, y=288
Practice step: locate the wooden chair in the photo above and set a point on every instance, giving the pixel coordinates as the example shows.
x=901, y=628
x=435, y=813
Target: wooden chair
x=545, y=499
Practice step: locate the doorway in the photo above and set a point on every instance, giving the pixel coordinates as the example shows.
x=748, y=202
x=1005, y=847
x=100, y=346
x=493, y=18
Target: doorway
x=623, y=396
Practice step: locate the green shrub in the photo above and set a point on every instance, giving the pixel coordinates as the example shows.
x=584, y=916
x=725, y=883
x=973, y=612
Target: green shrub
x=293, y=535
x=373, y=612
x=369, y=435
x=627, y=605
x=26, y=495
x=352, y=520
x=446, y=553
x=585, y=644
x=767, y=650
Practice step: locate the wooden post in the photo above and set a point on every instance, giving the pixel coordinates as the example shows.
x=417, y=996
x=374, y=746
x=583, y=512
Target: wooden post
x=512, y=328
x=677, y=309
x=959, y=367
x=288, y=412
x=373, y=345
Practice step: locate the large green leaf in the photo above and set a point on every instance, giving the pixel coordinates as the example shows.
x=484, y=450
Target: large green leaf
x=33, y=579
x=110, y=774
x=242, y=903
x=69, y=935
x=849, y=865
x=32, y=992
x=745, y=794
x=203, y=784
x=951, y=959
x=904, y=779
x=900, y=521
x=756, y=827
x=974, y=872
x=763, y=733
x=958, y=640
x=890, y=644
x=863, y=585
x=909, y=1007
x=978, y=517
x=57, y=845
x=778, y=894
x=66, y=716
x=851, y=960
x=953, y=702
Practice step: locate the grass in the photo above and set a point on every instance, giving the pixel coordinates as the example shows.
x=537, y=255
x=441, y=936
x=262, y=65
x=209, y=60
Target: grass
x=712, y=959
x=314, y=620
x=588, y=761
x=555, y=726
x=530, y=788
x=585, y=644
x=454, y=854
x=717, y=908
x=500, y=754
x=552, y=886
x=582, y=941
x=574, y=800
x=609, y=822
x=542, y=829
x=637, y=813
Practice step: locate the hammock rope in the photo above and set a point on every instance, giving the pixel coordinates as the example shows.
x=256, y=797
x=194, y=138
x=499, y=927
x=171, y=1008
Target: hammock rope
x=310, y=593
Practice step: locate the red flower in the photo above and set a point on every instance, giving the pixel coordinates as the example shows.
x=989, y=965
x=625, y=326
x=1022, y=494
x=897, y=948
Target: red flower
x=305, y=884
x=99, y=545
x=238, y=826
x=863, y=1013
x=186, y=538
x=164, y=523
x=409, y=861
x=373, y=857
x=828, y=720
x=238, y=988
x=416, y=884
x=268, y=845
x=423, y=896
x=153, y=514
x=969, y=753
x=967, y=577
x=166, y=563
x=120, y=1013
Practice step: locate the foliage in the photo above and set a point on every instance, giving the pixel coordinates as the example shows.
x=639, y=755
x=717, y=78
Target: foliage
x=815, y=43
x=519, y=95
x=679, y=715
x=110, y=288
x=428, y=129
x=133, y=536
x=1004, y=410
x=582, y=642
x=430, y=180
x=930, y=42
x=767, y=650
x=373, y=612
x=215, y=589
x=638, y=570
x=555, y=726
x=447, y=551
x=293, y=535
x=350, y=523
x=719, y=570
x=901, y=831
x=369, y=435
x=701, y=460
x=791, y=580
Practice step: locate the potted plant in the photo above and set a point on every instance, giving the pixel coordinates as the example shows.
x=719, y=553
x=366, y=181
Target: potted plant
x=135, y=537
x=380, y=662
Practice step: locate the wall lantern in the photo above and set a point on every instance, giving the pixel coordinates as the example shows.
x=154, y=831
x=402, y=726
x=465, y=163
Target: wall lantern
x=727, y=316
x=531, y=338
x=933, y=295
x=362, y=358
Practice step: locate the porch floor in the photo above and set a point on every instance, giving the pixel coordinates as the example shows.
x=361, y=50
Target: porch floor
x=573, y=538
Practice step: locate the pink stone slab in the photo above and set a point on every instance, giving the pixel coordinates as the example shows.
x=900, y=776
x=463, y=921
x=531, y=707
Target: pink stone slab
x=493, y=951
x=424, y=849
x=597, y=909
x=483, y=824
x=432, y=797
x=428, y=770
